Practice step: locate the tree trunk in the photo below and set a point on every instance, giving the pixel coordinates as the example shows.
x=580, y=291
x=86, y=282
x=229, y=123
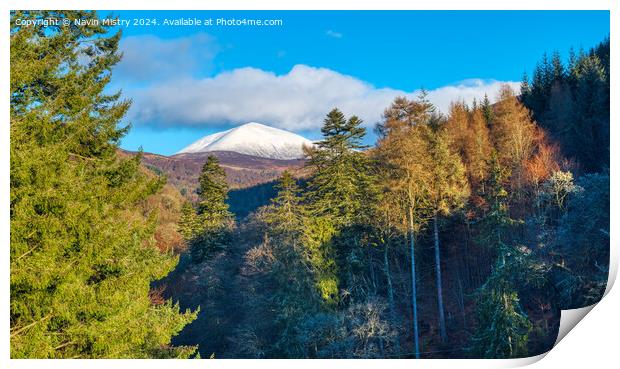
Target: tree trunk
x=461, y=298
x=372, y=272
x=414, y=297
x=466, y=258
x=390, y=291
x=509, y=336
x=442, y=318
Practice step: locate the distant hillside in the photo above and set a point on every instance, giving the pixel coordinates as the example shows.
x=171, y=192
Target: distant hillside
x=166, y=204
x=242, y=171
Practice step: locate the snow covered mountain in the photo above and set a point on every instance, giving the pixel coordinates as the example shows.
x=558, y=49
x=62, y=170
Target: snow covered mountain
x=253, y=139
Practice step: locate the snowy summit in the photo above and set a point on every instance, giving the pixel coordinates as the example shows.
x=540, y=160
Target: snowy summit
x=253, y=139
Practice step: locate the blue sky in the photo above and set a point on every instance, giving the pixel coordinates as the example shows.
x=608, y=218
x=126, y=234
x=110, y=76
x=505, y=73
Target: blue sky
x=189, y=81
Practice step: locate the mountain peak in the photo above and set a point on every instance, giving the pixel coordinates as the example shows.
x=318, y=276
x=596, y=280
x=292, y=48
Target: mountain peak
x=255, y=139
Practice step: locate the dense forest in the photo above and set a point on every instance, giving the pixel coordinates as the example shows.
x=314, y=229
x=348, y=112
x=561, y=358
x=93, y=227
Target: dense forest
x=456, y=235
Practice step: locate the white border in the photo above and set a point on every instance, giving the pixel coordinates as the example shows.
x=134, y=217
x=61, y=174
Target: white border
x=593, y=343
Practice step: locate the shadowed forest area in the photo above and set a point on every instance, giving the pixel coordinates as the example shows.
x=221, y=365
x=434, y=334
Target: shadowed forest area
x=457, y=235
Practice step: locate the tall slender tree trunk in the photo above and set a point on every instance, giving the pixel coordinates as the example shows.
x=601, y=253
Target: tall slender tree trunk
x=505, y=298
x=468, y=278
x=388, y=277
x=442, y=318
x=372, y=272
x=461, y=298
x=414, y=297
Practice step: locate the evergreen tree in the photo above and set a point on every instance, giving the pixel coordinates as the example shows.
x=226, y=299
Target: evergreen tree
x=336, y=189
x=82, y=258
x=525, y=89
x=496, y=220
x=503, y=327
x=188, y=226
x=293, y=289
x=574, y=106
x=487, y=111
x=588, y=134
x=558, y=73
x=583, y=240
x=207, y=229
x=212, y=193
x=340, y=192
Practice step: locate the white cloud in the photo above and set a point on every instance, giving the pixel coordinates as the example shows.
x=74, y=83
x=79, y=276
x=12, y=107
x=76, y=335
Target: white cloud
x=333, y=34
x=297, y=100
x=467, y=91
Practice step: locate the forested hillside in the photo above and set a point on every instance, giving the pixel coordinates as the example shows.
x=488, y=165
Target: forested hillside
x=457, y=235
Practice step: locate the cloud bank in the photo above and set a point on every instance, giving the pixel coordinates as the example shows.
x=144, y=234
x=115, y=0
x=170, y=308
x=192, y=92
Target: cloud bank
x=164, y=78
x=297, y=100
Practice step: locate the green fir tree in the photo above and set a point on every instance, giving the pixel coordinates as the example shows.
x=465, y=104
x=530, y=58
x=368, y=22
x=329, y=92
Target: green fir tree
x=82, y=258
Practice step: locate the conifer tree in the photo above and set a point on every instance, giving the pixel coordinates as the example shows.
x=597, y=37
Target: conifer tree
x=558, y=72
x=589, y=132
x=487, y=111
x=340, y=191
x=188, y=226
x=208, y=228
x=293, y=287
x=336, y=188
x=82, y=259
x=503, y=327
x=525, y=88
x=574, y=108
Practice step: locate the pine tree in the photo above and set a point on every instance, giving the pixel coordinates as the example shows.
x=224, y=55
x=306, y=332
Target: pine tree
x=188, y=221
x=574, y=107
x=589, y=132
x=496, y=219
x=558, y=73
x=336, y=189
x=82, y=257
x=503, y=327
x=208, y=228
x=525, y=90
x=294, y=293
x=487, y=111
x=340, y=191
